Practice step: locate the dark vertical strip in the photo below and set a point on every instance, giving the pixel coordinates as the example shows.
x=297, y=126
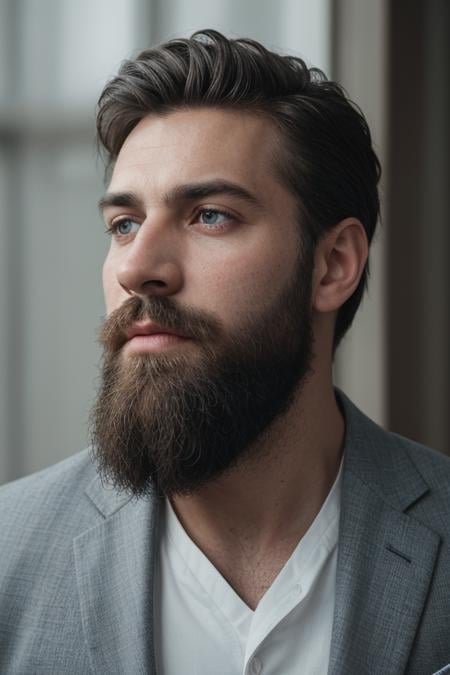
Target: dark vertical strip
x=406, y=125
x=418, y=272
x=435, y=218
x=445, y=42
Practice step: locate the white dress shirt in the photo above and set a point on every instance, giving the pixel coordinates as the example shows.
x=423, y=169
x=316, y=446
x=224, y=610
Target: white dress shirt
x=202, y=627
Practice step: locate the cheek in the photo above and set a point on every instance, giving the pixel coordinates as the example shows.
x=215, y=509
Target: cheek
x=243, y=285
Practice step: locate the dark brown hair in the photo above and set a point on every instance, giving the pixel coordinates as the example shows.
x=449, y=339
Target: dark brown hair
x=326, y=157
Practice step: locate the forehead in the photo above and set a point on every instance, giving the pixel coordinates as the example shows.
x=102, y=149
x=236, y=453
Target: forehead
x=196, y=144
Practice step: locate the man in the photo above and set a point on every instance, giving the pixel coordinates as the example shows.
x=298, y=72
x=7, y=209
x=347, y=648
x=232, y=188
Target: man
x=236, y=513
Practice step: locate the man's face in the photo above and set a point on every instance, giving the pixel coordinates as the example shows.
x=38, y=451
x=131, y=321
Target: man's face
x=205, y=244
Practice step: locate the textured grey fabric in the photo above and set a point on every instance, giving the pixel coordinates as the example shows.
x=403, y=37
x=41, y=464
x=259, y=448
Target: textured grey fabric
x=76, y=566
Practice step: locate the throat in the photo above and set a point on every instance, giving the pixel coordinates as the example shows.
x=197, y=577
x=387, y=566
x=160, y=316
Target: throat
x=252, y=588
x=250, y=575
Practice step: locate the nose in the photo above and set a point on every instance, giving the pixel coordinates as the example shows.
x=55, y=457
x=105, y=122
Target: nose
x=150, y=263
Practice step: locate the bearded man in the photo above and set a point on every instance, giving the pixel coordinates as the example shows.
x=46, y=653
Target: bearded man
x=236, y=513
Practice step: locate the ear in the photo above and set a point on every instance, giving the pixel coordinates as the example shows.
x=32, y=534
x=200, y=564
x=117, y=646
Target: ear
x=339, y=262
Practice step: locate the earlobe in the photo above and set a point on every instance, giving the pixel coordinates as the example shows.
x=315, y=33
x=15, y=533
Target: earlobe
x=339, y=264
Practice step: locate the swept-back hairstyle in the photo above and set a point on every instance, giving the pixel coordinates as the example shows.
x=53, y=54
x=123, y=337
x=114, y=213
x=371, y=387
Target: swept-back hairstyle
x=325, y=155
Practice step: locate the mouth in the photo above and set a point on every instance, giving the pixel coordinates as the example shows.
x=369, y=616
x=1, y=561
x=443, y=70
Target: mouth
x=144, y=337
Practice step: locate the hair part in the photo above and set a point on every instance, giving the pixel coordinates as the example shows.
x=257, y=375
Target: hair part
x=325, y=157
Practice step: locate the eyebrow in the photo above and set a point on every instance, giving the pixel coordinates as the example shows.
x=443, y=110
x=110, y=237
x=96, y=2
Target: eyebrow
x=185, y=192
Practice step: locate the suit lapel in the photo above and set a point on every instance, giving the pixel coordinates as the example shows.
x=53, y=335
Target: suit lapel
x=114, y=569
x=385, y=558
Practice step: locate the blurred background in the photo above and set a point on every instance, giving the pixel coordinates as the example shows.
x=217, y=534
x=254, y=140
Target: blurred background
x=55, y=56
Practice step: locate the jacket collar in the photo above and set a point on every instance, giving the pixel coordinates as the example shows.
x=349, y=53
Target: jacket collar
x=386, y=557
x=379, y=458
x=115, y=564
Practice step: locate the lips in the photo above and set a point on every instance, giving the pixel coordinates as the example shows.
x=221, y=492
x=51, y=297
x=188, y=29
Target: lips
x=150, y=328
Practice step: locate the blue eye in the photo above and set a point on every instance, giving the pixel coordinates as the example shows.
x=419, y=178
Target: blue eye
x=214, y=219
x=123, y=227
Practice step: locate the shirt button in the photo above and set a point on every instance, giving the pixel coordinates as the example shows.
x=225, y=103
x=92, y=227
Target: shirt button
x=255, y=666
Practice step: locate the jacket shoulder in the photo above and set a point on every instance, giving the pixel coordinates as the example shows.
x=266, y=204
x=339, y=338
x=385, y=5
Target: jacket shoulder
x=432, y=464
x=50, y=500
x=407, y=475
x=39, y=517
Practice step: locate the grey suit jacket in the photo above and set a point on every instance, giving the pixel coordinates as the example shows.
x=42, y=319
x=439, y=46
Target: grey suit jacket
x=76, y=566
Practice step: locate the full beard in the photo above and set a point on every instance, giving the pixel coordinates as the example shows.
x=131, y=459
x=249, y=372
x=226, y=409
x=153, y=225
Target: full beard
x=171, y=422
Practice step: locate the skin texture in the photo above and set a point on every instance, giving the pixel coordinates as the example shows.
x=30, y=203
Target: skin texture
x=234, y=271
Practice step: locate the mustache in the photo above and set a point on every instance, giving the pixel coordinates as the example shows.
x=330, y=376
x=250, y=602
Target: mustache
x=193, y=323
